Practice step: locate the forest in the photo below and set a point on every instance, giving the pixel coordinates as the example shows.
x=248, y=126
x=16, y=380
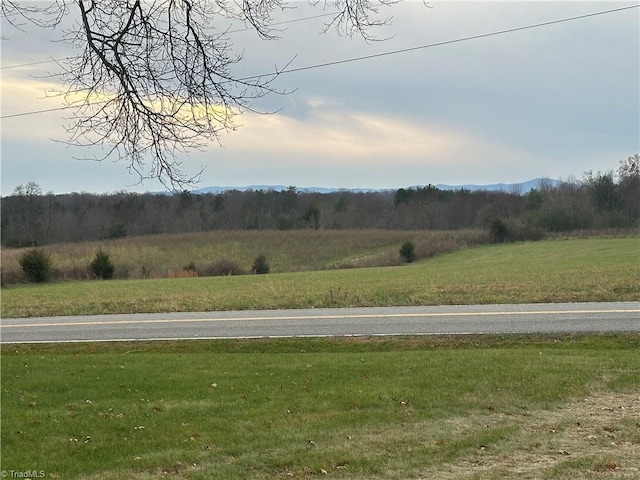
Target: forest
x=597, y=201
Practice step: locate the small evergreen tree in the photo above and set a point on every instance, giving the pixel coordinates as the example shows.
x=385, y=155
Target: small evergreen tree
x=407, y=251
x=36, y=264
x=260, y=265
x=101, y=266
x=119, y=230
x=499, y=231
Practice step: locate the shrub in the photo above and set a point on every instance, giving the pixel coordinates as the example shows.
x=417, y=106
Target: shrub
x=221, y=268
x=408, y=251
x=260, y=265
x=521, y=229
x=101, y=266
x=11, y=277
x=499, y=231
x=119, y=230
x=515, y=230
x=36, y=265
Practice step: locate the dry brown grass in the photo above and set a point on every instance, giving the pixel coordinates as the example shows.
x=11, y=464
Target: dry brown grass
x=597, y=437
x=548, y=271
x=594, y=438
x=162, y=256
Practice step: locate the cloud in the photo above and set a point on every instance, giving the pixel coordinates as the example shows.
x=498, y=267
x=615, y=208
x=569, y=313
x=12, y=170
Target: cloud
x=20, y=96
x=338, y=132
x=335, y=145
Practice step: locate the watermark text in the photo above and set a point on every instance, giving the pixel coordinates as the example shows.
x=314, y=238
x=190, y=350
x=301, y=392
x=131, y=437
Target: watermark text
x=22, y=474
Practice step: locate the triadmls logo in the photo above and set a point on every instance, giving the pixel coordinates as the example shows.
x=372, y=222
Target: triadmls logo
x=27, y=474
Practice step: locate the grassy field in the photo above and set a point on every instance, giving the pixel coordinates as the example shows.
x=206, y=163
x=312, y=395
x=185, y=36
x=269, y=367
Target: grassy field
x=166, y=256
x=575, y=270
x=470, y=407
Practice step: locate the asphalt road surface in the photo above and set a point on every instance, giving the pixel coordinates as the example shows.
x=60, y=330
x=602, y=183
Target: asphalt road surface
x=468, y=319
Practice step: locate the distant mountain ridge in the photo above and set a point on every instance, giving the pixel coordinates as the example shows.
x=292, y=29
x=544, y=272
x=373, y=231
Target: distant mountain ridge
x=522, y=187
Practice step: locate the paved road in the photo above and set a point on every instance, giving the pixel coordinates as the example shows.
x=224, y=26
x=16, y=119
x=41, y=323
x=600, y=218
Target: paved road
x=532, y=318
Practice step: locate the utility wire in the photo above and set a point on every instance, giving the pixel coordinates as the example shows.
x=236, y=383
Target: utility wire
x=34, y=112
x=18, y=65
x=284, y=22
x=302, y=19
x=392, y=52
x=446, y=42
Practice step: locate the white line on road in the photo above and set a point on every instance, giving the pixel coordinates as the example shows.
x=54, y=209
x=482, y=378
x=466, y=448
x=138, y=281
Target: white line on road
x=318, y=317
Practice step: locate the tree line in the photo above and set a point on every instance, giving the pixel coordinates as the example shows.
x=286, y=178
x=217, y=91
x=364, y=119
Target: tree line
x=597, y=201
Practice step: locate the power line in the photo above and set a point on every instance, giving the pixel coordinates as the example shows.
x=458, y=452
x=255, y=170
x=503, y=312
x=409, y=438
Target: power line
x=392, y=52
x=446, y=42
x=284, y=22
x=18, y=65
x=34, y=112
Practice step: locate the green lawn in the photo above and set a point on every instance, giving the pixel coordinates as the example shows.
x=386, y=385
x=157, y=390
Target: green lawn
x=594, y=269
x=470, y=407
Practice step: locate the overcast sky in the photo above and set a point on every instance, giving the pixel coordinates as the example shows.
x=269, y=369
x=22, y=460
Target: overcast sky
x=554, y=101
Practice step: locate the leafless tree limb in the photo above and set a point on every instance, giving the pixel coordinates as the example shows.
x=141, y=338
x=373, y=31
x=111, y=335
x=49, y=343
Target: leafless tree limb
x=154, y=79
x=18, y=13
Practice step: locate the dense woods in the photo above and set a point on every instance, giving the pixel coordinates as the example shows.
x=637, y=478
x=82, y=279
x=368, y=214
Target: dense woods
x=602, y=200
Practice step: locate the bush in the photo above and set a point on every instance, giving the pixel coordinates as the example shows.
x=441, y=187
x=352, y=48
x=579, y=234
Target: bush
x=408, y=251
x=260, y=265
x=522, y=229
x=11, y=277
x=499, y=231
x=101, y=266
x=221, y=268
x=36, y=265
x=119, y=230
x=515, y=230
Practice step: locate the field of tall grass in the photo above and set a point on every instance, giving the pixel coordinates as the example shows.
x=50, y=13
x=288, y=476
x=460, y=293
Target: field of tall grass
x=576, y=270
x=168, y=256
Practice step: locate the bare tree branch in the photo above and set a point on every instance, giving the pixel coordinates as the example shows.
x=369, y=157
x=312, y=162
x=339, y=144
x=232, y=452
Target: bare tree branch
x=357, y=17
x=45, y=16
x=154, y=79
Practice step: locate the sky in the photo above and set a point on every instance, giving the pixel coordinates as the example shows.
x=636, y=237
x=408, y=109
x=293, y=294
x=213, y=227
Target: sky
x=554, y=101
